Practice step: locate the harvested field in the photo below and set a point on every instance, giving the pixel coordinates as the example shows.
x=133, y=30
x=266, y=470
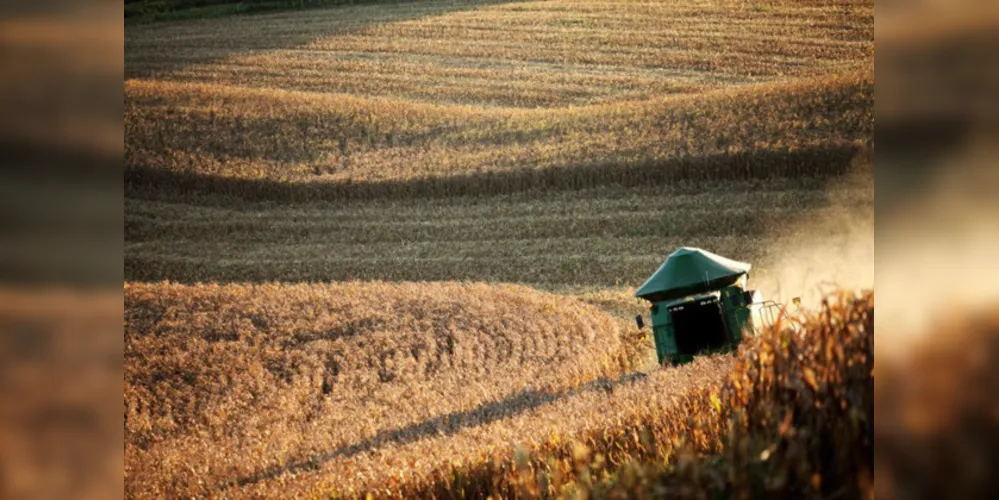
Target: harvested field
x=250, y=134
x=434, y=90
x=512, y=54
x=254, y=153
x=271, y=161
x=609, y=236
x=238, y=166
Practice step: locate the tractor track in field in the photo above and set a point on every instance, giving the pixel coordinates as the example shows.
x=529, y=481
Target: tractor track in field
x=442, y=425
x=530, y=419
x=283, y=371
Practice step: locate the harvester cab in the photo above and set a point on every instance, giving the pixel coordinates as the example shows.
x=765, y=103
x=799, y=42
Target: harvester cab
x=700, y=304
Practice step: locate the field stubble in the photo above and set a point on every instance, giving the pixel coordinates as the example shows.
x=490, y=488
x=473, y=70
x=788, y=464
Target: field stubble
x=596, y=237
x=511, y=54
x=428, y=90
x=241, y=165
x=328, y=140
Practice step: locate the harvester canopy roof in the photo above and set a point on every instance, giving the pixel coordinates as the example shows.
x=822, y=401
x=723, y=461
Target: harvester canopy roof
x=688, y=271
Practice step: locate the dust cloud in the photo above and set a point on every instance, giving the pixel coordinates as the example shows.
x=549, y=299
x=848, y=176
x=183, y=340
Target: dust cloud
x=830, y=250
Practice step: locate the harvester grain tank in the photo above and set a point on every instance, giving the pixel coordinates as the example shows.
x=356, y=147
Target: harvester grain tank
x=700, y=304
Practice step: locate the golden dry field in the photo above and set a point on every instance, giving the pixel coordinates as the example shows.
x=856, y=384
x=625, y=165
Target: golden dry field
x=422, y=389
x=241, y=166
x=223, y=383
x=606, y=236
x=266, y=135
x=390, y=248
x=513, y=54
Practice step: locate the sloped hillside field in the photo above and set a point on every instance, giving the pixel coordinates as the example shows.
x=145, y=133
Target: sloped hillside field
x=390, y=249
x=313, y=390
x=225, y=384
x=596, y=135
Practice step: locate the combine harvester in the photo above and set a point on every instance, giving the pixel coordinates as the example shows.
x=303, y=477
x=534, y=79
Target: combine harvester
x=700, y=305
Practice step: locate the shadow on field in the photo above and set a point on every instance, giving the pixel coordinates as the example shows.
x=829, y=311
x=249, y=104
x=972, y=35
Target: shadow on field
x=171, y=46
x=447, y=424
x=155, y=184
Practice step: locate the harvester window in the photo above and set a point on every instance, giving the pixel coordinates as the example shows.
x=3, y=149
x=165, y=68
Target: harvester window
x=699, y=326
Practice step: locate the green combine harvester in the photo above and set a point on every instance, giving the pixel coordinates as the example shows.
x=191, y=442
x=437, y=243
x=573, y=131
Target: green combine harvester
x=700, y=305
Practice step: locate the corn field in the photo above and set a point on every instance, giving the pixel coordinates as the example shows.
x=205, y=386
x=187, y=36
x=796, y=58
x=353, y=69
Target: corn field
x=326, y=211
x=224, y=382
x=588, y=138
x=416, y=390
x=512, y=54
x=454, y=99
x=604, y=236
x=294, y=146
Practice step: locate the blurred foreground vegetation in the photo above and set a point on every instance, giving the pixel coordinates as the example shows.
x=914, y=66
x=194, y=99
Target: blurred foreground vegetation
x=793, y=419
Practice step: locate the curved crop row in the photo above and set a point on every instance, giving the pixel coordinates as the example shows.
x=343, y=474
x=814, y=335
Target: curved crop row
x=793, y=412
x=232, y=384
x=794, y=416
x=472, y=459
x=524, y=54
x=258, y=143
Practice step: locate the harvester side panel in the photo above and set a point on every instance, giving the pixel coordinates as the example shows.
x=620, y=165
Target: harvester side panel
x=662, y=332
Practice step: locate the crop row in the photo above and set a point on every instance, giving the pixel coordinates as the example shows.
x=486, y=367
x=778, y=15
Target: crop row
x=247, y=142
x=792, y=412
x=225, y=383
x=794, y=417
x=549, y=54
x=605, y=236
